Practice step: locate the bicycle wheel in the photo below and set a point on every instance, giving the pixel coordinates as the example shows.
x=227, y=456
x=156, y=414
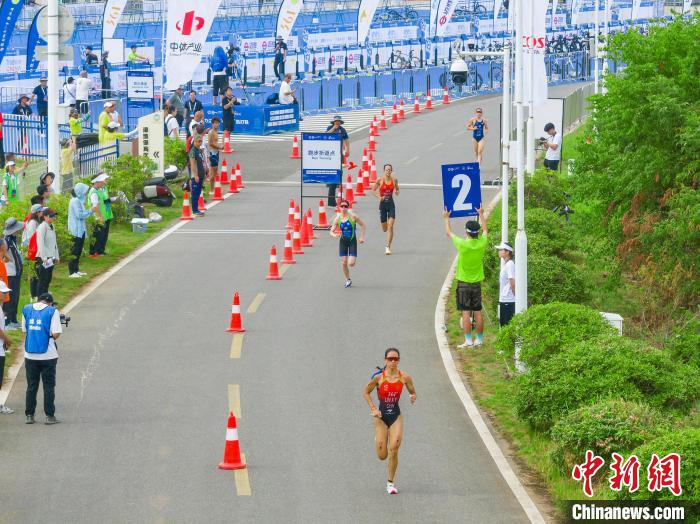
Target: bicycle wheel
x=479, y=10
x=411, y=14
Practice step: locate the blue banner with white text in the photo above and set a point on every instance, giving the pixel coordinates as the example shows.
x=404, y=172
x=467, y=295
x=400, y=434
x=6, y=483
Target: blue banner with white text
x=33, y=40
x=9, y=13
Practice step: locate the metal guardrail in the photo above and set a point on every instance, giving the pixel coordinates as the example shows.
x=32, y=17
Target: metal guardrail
x=89, y=159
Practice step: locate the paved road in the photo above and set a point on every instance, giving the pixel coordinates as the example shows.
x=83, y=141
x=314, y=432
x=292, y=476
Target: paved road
x=146, y=378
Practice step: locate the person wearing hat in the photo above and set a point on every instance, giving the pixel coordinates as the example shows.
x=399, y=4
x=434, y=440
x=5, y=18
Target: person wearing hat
x=337, y=127
x=90, y=56
x=75, y=123
x=5, y=343
x=46, y=180
x=105, y=76
x=506, y=284
x=77, y=214
x=15, y=268
x=470, y=273
x=83, y=88
x=22, y=108
x=10, y=181
x=47, y=255
x=103, y=122
x=280, y=57
x=101, y=205
x=41, y=92
x=41, y=322
x=178, y=103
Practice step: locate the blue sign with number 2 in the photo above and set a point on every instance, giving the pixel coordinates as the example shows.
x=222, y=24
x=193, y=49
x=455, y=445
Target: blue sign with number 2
x=461, y=188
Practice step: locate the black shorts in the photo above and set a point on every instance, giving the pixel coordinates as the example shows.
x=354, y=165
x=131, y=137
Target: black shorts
x=551, y=164
x=469, y=296
x=506, y=311
x=347, y=247
x=387, y=210
x=219, y=83
x=214, y=159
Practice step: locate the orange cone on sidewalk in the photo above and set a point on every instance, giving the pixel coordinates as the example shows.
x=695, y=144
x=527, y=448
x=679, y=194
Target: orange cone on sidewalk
x=322, y=220
x=186, y=212
x=394, y=115
x=236, y=325
x=274, y=271
x=416, y=105
x=429, y=102
x=232, y=451
x=382, y=122
x=290, y=215
x=217, y=189
x=305, y=240
x=227, y=142
x=224, y=173
x=366, y=180
x=402, y=113
x=445, y=96
x=296, y=239
x=371, y=146
x=310, y=224
x=239, y=177
x=287, y=256
x=295, y=148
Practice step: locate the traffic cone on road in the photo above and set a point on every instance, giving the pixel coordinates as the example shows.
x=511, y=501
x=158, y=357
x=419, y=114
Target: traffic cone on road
x=287, y=256
x=366, y=180
x=416, y=105
x=322, y=220
x=200, y=202
x=348, y=191
x=402, y=113
x=186, y=212
x=310, y=224
x=359, y=188
x=371, y=146
x=394, y=115
x=295, y=148
x=372, y=172
x=382, y=122
x=296, y=239
x=374, y=127
x=297, y=217
x=305, y=240
x=236, y=325
x=239, y=177
x=290, y=215
x=224, y=173
x=217, y=189
x=232, y=451
x=429, y=102
x=365, y=163
x=274, y=272
x=233, y=183
x=445, y=96
x=227, y=142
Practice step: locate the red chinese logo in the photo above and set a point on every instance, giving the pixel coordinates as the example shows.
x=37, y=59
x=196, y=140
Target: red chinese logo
x=626, y=473
x=665, y=473
x=190, y=22
x=586, y=471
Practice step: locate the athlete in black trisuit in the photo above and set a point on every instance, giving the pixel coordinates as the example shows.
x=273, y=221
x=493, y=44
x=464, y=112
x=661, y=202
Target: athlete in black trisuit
x=384, y=189
x=388, y=421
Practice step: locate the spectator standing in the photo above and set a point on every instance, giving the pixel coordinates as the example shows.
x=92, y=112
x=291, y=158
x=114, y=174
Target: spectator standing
x=172, y=126
x=552, y=146
x=101, y=206
x=176, y=101
x=47, y=255
x=10, y=182
x=69, y=91
x=227, y=103
x=280, y=57
x=77, y=214
x=46, y=180
x=36, y=217
x=15, y=268
x=192, y=107
x=42, y=323
x=198, y=173
x=103, y=122
x=337, y=127
x=75, y=124
x=105, y=76
x=213, y=149
x=5, y=343
x=2, y=145
x=196, y=121
x=470, y=274
x=286, y=94
x=506, y=284
x=41, y=92
x=83, y=87
x=22, y=108
x=4, y=259
x=90, y=56
x=219, y=78
x=67, y=161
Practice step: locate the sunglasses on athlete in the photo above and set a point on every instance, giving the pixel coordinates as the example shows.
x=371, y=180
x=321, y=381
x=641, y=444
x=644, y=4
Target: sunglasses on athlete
x=345, y=207
x=392, y=359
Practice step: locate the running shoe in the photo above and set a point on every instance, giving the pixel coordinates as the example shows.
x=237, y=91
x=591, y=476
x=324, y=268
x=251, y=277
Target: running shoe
x=199, y=214
x=348, y=283
x=74, y=275
x=11, y=326
x=391, y=489
x=4, y=410
x=82, y=274
x=466, y=344
x=478, y=341
x=387, y=250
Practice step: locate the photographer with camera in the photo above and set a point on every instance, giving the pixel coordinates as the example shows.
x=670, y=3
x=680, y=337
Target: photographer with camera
x=41, y=322
x=552, y=146
x=280, y=57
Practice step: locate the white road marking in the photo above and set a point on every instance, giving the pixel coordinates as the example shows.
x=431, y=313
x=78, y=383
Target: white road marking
x=410, y=161
x=458, y=133
x=232, y=231
x=432, y=148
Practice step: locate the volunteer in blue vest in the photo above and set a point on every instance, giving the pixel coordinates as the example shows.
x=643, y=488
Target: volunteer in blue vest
x=219, y=79
x=42, y=323
x=101, y=205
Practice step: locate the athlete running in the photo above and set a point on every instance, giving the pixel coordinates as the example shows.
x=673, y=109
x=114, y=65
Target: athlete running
x=479, y=127
x=384, y=189
x=345, y=227
x=388, y=422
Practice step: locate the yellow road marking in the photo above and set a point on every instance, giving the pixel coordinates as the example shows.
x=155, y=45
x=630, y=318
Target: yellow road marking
x=255, y=304
x=237, y=345
x=284, y=269
x=242, y=480
x=234, y=399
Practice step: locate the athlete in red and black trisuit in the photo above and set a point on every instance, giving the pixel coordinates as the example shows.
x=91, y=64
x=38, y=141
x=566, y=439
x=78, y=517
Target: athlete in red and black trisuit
x=384, y=189
x=388, y=421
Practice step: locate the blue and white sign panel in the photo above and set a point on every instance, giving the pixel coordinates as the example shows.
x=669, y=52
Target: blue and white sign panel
x=139, y=85
x=321, y=158
x=461, y=188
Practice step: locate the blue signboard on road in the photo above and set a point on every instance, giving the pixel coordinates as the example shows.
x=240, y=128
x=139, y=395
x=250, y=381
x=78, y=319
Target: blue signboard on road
x=321, y=158
x=461, y=188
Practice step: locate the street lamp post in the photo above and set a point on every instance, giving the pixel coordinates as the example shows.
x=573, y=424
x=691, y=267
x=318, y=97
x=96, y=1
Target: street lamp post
x=53, y=79
x=596, y=73
x=520, y=237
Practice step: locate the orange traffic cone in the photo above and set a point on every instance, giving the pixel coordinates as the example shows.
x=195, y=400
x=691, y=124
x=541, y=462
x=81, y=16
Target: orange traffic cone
x=322, y=220
x=232, y=451
x=200, y=202
x=366, y=180
x=186, y=213
x=224, y=173
x=371, y=146
x=274, y=272
x=236, y=325
x=305, y=241
x=295, y=148
x=290, y=215
x=310, y=224
x=382, y=122
x=296, y=239
x=416, y=105
x=445, y=96
x=297, y=218
x=287, y=256
x=233, y=184
x=227, y=142
x=359, y=188
x=374, y=127
x=365, y=163
x=217, y=189
x=402, y=113
x=394, y=115
x=239, y=177
x=345, y=162
x=373, y=172
x=429, y=102
x=348, y=191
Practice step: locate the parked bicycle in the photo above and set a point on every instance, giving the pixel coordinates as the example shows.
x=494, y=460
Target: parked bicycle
x=471, y=8
x=406, y=14
x=397, y=60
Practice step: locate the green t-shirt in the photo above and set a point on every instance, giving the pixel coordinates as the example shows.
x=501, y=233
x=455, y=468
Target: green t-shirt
x=470, y=264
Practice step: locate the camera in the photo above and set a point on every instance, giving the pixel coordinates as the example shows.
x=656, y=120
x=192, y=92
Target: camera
x=542, y=140
x=64, y=319
x=232, y=49
x=459, y=71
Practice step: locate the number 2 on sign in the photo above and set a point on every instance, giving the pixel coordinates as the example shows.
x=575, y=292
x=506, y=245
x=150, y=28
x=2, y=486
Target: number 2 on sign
x=461, y=203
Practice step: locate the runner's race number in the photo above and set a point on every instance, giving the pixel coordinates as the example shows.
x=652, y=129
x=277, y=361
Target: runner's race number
x=461, y=188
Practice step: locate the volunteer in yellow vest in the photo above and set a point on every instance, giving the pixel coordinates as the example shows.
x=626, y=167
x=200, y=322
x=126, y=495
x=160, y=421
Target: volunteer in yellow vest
x=101, y=205
x=108, y=129
x=10, y=182
x=75, y=123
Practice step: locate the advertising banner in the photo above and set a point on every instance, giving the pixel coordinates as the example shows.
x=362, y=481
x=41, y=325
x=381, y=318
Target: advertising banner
x=445, y=10
x=9, y=13
x=636, y=5
x=534, y=43
x=461, y=188
x=33, y=40
x=365, y=14
x=288, y=13
x=188, y=27
x=112, y=14
x=575, y=10
x=321, y=158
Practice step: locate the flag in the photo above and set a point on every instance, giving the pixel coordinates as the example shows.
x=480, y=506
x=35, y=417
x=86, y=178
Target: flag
x=575, y=9
x=365, y=14
x=534, y=43
x=33, y=40
x=289, y=10
x=686, y=5
x=9, y=13
x=188, y=27
x=497, y=9
x=444, y=13
x=110, y=18
x=636, y=5
x=554, y=12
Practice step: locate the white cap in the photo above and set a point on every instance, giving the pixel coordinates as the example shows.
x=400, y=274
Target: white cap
x=113, y=125
x=108, y=104
x=102, y=177
x=3, y=287
x=10, y=163
x=506, y=246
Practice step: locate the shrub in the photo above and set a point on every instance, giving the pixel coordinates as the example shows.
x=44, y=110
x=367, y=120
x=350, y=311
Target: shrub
x=684, y=343
x=547, y=233
x=551, y=279
x=685, y=442
x=605, y=367
x=607, y=426
x=128, y=173
x=547, y=329
x=545, y=189
x=175, y=153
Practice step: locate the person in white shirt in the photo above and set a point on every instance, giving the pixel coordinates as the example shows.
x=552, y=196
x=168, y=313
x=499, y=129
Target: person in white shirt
x=83, y=87
x=5, y=343
x=506, y=284
x=197, y=120
x=42, y=323
x=171, y=124
x=47, y=251
x=69, y=91
x=552, y=147
x=286, y=95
